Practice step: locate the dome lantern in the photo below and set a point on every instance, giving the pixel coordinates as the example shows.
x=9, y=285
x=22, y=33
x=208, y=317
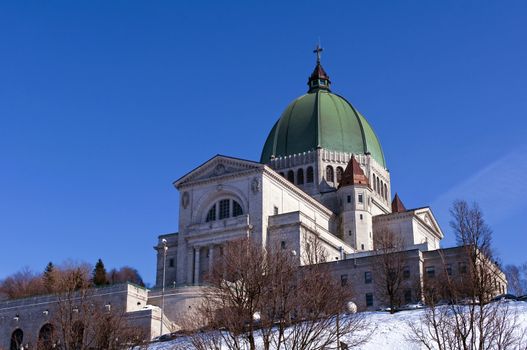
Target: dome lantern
x=319, y=79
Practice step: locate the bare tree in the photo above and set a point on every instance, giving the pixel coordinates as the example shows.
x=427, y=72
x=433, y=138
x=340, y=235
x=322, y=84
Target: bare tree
x=23, y=283
x=125, y=274
x=81, y=319
x=254, y=292
x=388, y=267
x=517, y=283
x=236, y=286
x=470, y=321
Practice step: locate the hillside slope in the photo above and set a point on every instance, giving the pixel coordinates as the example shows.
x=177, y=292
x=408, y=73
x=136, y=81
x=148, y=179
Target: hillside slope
x=391, y=331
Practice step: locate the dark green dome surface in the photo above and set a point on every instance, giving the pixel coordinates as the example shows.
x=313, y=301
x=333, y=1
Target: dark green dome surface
x=321, y=119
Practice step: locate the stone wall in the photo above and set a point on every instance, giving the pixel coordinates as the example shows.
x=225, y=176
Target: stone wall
x=30, y=314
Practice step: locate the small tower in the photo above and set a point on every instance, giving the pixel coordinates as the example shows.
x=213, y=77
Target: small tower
x=354, y=195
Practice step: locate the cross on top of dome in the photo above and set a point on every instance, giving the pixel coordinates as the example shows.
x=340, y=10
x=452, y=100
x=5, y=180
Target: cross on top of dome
x=318, y=50
x=319, y=79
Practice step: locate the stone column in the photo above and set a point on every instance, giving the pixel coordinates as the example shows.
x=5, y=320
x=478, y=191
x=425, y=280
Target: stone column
x=196, y=265
x=211, y=257
x=189, y=273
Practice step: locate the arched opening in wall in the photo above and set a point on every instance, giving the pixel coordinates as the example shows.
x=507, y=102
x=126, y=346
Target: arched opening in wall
x=329, y=174
x=378, y=185
x=339, y=174
x=385, y=192
x=17, y=337
x=223, y=209
x=77, y=336
x=291, y=176
x=46, y=337
x=309, y=175
x=300, y=176
x=374, y=183
x=382, y=189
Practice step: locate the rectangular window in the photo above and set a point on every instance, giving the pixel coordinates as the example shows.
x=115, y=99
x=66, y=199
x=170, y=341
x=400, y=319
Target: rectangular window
x=171, y=262
x=283, y=244
x=361, y=198
x=343, y=280
x=349, y=232
x=360, y=216
x=449, y=269
x=430, y=271
x=369, y=299
x=224, y=208
x=367, y=277
x=407, y=296
x=275, y=210
x=462, y=267
x=362, y=246
x=349, y=199
x=406, y=272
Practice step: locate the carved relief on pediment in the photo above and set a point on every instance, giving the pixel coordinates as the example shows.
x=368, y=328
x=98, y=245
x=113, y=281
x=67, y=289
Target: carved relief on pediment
x=218, y=169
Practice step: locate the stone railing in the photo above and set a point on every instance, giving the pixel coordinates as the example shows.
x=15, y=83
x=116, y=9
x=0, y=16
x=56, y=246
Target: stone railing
x=293, y=160
x=233, y=223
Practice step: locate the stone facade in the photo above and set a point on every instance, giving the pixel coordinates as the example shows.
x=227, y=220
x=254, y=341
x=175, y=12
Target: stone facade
x=358, y=271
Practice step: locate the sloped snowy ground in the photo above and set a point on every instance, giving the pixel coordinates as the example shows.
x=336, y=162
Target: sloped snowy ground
x=391, y=331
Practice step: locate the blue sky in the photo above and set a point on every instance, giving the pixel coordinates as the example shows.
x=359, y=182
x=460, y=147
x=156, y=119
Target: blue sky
x=104, y=103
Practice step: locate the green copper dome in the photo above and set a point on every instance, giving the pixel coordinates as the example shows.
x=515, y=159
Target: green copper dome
x=321, y=119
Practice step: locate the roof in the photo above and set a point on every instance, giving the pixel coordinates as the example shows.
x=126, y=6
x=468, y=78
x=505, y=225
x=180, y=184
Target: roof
x=397, y=205
x=353, y=175
x=321, y=119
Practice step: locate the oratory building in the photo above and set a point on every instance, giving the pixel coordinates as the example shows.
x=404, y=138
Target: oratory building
x=322, y=173
x=322, y=177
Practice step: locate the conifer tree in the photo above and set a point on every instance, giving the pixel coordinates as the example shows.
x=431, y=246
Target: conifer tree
x=48, y=277
x=99, y=274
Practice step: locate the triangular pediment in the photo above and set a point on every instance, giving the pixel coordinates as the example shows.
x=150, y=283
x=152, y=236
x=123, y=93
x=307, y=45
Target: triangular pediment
x=217, y=167
x=427, y=217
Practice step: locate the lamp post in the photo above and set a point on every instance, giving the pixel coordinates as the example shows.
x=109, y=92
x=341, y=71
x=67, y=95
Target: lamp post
x=165, y=248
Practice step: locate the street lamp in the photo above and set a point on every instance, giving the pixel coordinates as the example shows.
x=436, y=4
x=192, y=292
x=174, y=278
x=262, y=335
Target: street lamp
x=165, y=248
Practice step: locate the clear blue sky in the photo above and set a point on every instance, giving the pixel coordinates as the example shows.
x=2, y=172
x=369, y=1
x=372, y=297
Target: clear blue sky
x=104, y=103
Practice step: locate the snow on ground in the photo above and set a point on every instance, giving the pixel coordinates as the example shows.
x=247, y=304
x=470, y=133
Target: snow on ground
x=390, y=330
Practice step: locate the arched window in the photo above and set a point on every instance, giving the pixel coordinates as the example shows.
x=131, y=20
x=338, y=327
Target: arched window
x=236, y=209
x=223, y=209
x=211, y=215
x=339, y=174
x=385, y=192
x=382, y=189
x=46, y=337
x=329, y=174
x=16, y=339
x=374, y=183
x=378, y=185
x=291, y=176
x=309, y=175
x=300, y=176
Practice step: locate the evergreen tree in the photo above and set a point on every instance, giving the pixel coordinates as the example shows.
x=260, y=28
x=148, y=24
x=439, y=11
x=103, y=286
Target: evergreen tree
x=48, y=277
x=99, y=274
